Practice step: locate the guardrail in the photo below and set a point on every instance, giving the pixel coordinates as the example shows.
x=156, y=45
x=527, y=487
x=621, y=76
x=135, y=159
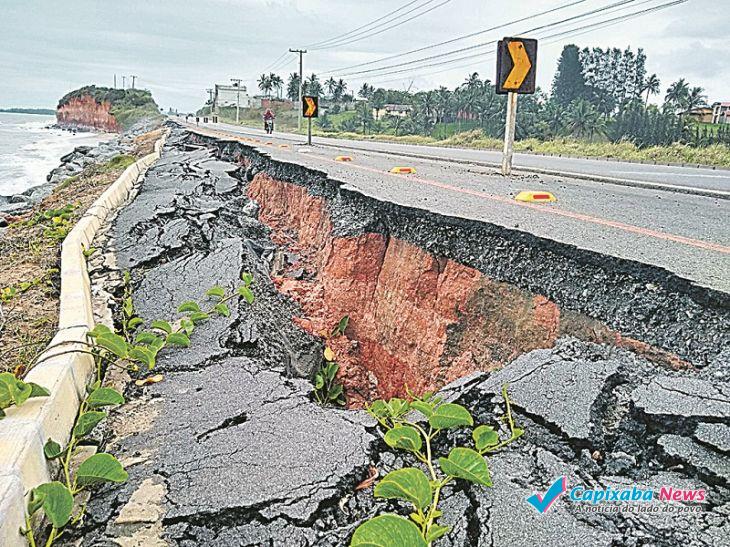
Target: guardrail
x=65, y=373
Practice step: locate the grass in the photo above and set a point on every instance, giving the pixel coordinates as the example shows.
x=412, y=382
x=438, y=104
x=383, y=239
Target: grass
x=30, y=251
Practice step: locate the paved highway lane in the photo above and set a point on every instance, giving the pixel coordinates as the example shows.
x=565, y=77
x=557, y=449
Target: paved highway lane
x=686, y=234
x=687, y=178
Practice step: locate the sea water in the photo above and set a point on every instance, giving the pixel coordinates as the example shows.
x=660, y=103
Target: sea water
x=29, y=149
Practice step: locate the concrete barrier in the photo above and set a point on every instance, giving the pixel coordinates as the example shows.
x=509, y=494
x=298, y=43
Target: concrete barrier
x=26, y=428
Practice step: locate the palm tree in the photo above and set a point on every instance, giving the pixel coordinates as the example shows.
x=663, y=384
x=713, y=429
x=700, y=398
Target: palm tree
x=276, y=83
x=340, y=89
x=265, y=84
x=331, y=86
x=651, y=86
x=677, y=93
x=292, y=87
x=584, y=120
x=366, y=91
x=695, y=99
x=313, y=85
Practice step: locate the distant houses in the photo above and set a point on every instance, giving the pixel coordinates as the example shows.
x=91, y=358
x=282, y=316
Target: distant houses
x=398, y=110
x=720, y=112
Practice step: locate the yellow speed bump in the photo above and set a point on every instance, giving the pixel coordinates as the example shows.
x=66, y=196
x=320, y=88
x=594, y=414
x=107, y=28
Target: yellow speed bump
x=403, y=170
x=343, y=158
x=269, y=143
x=530, y=196
x=283, y=146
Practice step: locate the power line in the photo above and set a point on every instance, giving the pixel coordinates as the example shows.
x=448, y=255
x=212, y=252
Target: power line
x=459, y=38
x=620, y=3
x=552, y=37
x=355, y=38
x=340, y=36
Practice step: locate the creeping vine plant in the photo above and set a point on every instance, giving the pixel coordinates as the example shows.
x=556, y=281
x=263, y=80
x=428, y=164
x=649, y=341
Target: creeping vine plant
x=132, y=349
x=405, y=431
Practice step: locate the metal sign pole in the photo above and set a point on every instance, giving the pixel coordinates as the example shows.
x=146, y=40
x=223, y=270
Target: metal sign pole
x=509, y=133
x=309, y=132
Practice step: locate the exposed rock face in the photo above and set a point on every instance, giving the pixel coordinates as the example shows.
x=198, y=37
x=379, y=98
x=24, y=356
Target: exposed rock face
x=85, y=112
x=416, y=319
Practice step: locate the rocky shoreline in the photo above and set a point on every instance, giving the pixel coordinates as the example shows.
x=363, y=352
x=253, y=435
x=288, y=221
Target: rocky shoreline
x=71, y=165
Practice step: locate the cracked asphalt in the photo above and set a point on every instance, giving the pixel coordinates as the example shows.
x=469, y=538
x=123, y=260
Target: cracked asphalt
x=230, y=449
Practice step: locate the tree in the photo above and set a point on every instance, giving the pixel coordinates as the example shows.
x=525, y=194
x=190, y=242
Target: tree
x=366, y=91
x=569, y=83
x=364, y=116
x=312, y=86
x=277, y=83
x=292, y=87
x=331, y=86
x=652, y=87
x=695, y=99
x=677, y=94
x=265, y=84
x=584, y=120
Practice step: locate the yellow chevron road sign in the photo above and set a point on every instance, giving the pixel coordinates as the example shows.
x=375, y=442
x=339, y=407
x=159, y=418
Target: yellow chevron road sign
x=516, y=65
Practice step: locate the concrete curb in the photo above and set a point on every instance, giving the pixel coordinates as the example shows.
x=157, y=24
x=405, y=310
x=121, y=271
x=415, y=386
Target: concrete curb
x=26, y=428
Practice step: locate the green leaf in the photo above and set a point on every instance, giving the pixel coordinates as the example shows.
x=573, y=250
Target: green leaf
x=247, y=278
x=134, y=323
x=222, y=309
x=100, y=468
x=339, y=329
x=13, y=390
x=485, y=437
x=178, y=339
x=56, y=500
x=436, y=532
x=404, y=437
x=518, y=432
x=387, y=531
x=188, y=306
x=164, y=326
x=216, y=292
x=147, y=338
x=450, y=415
x=335, y=392
x=98, y=330
x=409, y=484
x=378, y=409
x=331, y=370
x=87, y=422
x=52, y=449
x=318, y=381
x=114, y=343
x=128, y=307
x=465, y=463
x=199, y=317
x=104, y=396
x=423, y=407
x=91, y=387
x=187, y=325
x=144, y=355
x=37, y=391
x=246, y=293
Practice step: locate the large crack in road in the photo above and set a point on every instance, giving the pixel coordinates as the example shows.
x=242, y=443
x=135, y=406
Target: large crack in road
x=230, y=449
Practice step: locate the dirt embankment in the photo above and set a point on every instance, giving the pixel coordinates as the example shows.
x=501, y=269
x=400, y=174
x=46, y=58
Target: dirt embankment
x=85, y=112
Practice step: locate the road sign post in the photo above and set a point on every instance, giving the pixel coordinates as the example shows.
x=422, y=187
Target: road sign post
x=310, y=109
x=516, y=67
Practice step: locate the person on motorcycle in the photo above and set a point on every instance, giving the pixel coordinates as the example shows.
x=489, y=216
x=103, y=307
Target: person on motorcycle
x=269, y=121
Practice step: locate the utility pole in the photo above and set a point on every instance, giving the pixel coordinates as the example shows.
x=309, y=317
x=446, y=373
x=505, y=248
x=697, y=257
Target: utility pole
x=210, y=98
x=133, y=79
x=115, y=81
x=124, y=82
x=237, y=83
x=301, y=53
x=509, y=133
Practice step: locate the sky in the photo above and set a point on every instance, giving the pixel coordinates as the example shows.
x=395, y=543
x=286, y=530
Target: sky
x=178, y=48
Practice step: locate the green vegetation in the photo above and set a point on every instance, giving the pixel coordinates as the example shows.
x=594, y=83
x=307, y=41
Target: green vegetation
x=132, y=349
x=406, y=430
x=327, y=390
x=128, y=106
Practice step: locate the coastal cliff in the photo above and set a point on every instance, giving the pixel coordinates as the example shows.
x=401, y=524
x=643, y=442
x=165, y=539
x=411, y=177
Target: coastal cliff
x=105, y=109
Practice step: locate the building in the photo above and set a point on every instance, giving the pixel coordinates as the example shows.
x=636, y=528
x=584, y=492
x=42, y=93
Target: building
x=702, y=114
x=399, y=110
x=721, y=112
x=227, y=95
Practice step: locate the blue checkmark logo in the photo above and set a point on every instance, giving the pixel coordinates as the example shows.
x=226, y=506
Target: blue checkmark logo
x=543, y=502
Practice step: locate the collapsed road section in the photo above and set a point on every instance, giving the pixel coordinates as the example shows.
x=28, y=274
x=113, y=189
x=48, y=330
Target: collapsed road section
x=618, y=371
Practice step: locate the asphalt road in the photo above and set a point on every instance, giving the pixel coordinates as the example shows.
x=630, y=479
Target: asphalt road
x=692, y=179
x=688, y=235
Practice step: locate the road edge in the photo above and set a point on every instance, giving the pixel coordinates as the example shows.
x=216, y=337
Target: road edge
x=65, y=374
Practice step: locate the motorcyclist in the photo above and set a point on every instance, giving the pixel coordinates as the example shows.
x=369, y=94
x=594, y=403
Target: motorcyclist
x=269, y=121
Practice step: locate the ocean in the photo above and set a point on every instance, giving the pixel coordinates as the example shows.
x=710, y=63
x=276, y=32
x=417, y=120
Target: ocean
x=28, y=151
